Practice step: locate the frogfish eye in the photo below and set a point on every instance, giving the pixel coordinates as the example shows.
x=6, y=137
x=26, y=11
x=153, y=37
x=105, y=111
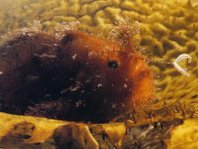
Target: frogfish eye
x=112, y=64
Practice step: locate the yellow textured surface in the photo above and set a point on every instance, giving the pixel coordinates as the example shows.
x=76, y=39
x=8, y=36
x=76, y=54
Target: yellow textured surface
x=8, y=122
x=42, y=130
x=185, y=136
x=168, y=28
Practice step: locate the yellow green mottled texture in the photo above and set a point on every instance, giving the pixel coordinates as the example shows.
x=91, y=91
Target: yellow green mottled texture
x=168, y=28
x=185, y=136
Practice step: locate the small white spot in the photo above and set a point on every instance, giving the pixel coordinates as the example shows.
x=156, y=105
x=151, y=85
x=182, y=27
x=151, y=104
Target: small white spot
x=74, y=56
x=74, y=89
x=143, y=135
x=179, y=59
x=114, y=106
x=125, y=86
x=87, y=81
x=91, y=53
x=130, y=115
x=97, y=76
x=1, y=72
x=78, y=103
x=100, y=85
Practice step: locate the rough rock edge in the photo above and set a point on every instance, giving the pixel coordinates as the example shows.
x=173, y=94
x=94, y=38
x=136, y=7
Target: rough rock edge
x=18, y=132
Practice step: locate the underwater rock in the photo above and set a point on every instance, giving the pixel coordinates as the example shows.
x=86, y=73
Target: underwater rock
x=77, y=77
x=33, y=133
x=185, y=136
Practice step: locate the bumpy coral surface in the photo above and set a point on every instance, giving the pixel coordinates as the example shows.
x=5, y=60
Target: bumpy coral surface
x=168, y=28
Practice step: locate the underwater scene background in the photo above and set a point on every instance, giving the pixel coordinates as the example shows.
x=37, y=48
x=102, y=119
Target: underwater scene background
x=167, y=28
